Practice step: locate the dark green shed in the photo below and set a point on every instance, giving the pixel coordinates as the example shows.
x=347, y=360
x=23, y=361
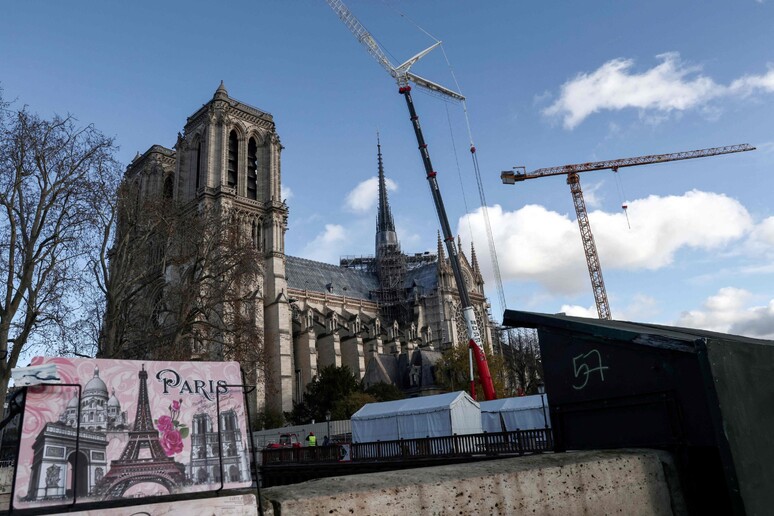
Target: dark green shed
x=708, y=397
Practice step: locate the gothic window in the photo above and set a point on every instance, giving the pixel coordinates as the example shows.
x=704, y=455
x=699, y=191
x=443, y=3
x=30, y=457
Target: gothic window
x=309, y=319
x=462, y=329
x=168, y=186
x=229, y=422
x=233, y=153
x=198, y=164
x=252, y=170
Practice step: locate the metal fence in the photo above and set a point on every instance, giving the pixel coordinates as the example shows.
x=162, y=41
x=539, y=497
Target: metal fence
x=517, y=442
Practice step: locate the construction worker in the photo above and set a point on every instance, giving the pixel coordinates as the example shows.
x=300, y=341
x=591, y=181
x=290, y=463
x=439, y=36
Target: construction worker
x=312, y=439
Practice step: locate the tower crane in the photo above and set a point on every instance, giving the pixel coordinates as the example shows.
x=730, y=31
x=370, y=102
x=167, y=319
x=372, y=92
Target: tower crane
x=572, y=171
x=403, y=77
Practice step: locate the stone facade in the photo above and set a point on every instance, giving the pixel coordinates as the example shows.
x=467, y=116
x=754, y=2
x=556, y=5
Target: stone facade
x=387, y=317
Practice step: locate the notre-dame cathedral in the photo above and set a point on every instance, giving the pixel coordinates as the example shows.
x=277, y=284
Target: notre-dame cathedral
x=386, y=316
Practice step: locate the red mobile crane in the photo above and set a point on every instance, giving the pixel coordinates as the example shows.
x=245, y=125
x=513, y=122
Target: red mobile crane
x=403, y=76
x=589, y=247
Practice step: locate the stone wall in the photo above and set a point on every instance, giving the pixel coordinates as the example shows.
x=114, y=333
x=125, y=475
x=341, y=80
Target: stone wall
x=628, y=482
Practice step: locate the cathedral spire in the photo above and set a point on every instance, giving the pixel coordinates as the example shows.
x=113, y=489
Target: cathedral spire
x=221, y=92
x=385, y=226
x=441, y=255
x=473, y=258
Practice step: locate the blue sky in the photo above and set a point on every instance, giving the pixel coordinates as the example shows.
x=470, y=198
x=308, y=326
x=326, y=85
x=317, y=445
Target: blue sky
x=548, y=83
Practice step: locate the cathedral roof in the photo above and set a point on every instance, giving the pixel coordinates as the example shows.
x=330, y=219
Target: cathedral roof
x=425, y=276
x=306, y=274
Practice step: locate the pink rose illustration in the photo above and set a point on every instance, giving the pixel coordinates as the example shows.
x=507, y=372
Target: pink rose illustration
x=165, y=424
x=172, y=430
x=172, y=442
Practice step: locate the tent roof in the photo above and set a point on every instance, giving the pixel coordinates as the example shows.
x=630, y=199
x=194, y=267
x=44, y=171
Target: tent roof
x=419, y=405
x=508, y=404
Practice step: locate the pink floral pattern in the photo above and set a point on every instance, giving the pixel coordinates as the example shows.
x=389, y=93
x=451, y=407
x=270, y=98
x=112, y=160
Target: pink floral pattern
x=165, y=424
x=172, y=430
x=172, y=442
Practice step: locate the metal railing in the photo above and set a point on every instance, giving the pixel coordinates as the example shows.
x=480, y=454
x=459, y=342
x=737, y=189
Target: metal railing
x=517, y=442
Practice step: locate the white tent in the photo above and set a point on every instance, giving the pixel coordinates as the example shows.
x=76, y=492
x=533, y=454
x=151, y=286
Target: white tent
x=433, y=416
x=523, y=413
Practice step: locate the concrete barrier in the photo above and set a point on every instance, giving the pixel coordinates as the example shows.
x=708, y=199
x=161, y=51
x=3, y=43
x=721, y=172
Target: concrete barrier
x=631, y=482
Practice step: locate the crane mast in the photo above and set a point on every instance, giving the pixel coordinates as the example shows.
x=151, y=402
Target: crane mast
x=572, y=171
x=403, y=76
x=589, y=248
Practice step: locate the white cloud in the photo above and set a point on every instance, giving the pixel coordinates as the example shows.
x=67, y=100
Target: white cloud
x=286, y=193
x=761, y=240
x=531, y=245
x=670, y=87
x=364, y=196
x=536, y=244
x=580, y=311
x=591, y=196
x=660, y=226
x=750, y=84
x=327, y=246
x=728, y=311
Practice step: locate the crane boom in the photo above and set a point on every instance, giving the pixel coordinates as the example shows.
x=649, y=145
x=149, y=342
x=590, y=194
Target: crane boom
x=624, y=162
x=402, y=75
x=401, y=72
x=572, y=171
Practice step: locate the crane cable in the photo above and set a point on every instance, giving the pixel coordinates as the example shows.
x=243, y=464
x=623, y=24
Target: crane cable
x=481, y=194
x=622, y=196
x=459, y=170
x=524, y=334
x=474, y=157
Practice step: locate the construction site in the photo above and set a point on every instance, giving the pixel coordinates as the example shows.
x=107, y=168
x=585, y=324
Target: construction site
x=612, y=416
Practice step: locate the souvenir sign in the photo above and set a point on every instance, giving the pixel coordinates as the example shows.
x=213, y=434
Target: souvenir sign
x=140, y=428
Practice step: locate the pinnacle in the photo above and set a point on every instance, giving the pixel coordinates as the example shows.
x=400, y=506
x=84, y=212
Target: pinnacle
x=221, y=91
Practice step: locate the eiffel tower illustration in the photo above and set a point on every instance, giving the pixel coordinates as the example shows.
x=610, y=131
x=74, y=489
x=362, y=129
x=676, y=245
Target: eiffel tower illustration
x=130, y=469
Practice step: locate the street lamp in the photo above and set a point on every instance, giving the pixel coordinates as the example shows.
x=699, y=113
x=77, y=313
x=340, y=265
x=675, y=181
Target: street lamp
x=542, y=391
x=328, y=420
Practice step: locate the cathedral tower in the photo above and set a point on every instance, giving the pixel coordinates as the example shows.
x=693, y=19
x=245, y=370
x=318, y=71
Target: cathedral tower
x=227, y=159
x=230, y=156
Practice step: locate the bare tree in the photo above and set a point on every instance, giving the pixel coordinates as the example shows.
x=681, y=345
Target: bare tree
x=51, y=173
x=523, y=362
x=180, y=282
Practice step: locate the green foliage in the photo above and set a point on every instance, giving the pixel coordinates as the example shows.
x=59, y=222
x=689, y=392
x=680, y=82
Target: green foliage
x=331, y=385
x=343, y=409
x=268, y=418
x=336, y=389
x=385, y=392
